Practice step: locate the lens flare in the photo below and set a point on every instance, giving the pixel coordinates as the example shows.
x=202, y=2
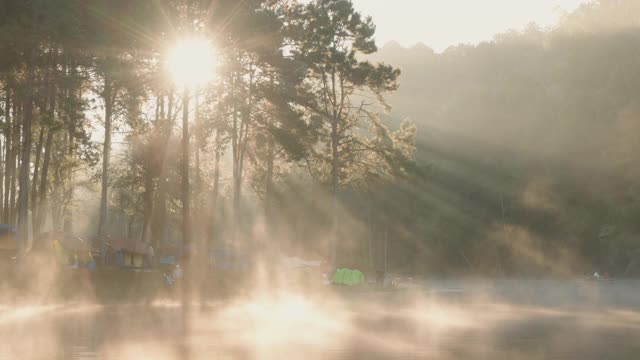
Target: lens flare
x=191, y=61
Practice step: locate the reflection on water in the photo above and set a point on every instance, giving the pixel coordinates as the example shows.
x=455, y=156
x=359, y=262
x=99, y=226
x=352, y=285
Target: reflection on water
x=352, y=326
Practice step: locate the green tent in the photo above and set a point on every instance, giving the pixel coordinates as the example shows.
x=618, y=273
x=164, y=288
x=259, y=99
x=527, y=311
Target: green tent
x=348, y=277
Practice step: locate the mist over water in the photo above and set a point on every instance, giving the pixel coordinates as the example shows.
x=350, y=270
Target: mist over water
x=510, y=319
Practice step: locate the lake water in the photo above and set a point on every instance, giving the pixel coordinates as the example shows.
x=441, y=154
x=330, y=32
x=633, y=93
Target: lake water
x=487, y=320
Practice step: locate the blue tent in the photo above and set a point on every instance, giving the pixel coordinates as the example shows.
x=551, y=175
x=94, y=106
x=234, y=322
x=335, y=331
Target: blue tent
x=228, y=259
x=167, y=260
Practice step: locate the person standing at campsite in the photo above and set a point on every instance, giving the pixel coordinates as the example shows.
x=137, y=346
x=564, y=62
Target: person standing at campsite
x=150, y=256
x=177, y=272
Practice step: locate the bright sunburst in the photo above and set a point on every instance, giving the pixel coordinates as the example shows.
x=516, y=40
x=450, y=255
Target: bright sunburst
x=191, y=61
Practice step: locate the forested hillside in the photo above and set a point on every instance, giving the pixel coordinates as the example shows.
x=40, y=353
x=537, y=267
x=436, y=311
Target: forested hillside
x=533, y=144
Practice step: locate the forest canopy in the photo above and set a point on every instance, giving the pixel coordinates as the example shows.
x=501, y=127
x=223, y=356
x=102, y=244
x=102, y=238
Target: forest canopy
x=187, y=123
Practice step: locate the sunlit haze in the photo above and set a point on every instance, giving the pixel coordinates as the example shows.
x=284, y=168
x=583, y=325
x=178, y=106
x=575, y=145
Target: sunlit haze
x=443, y=23
x=290, y=179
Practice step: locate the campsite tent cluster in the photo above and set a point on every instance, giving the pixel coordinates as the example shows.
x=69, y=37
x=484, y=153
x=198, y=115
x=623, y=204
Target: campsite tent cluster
x=66, y=248
x=348, y=277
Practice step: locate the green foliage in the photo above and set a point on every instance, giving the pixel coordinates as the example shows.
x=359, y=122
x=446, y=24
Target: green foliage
x=128, y=182
x=329, y=40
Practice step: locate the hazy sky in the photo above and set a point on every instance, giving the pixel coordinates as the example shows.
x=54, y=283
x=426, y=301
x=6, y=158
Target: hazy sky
x=441, y=23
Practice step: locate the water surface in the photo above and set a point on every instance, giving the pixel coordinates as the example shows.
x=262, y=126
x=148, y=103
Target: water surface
x=486, y=320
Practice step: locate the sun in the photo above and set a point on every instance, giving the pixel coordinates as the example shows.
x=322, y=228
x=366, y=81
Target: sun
x=191, y=61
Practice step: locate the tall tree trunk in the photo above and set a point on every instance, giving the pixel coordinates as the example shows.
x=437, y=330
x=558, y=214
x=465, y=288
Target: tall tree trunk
x=34, y=183
x=335, y=168
x=71, y=146
x=370, y=236
x=386, y=244
x=68, y=210
x=42, y=207
x=2, y=158
x=235, y=149
x=198, y=144
x=56, y=194
x=197, y=220
x=160, y=227
x=130, y=221
x=23, y=207
x=148, y=208
x=106, y=155
x=41, y=217
x=14, y=162
x=2, y=166
x=269, y=180
x=150, y=174
x=216, y=181
x=244, y=136
x=239, y=145
x=186, y=217
x=186, y=203
x=266, y=243
x=7, y=157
